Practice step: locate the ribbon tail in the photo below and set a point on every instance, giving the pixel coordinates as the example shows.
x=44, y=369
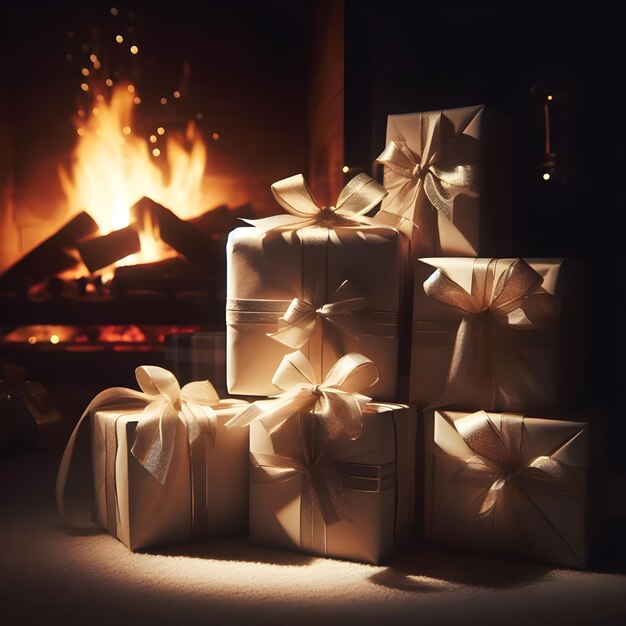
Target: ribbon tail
x=75, y=475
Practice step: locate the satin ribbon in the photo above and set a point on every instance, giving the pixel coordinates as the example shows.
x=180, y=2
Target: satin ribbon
x=503, y=473
x=337, y=401
x=487, y=366
x=164, y=403
x=323, y=483
x=356, y=199
x=418, y=182
x=297, y=324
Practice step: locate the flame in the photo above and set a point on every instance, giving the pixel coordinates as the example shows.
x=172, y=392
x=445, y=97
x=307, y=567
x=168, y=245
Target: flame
x=113, y=167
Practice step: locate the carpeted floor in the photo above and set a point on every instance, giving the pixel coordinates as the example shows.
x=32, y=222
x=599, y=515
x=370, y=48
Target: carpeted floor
x=48, y=576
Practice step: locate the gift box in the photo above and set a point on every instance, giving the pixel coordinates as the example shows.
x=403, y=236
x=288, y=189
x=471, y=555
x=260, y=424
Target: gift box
x=331, y=473
x=352, y=499
x=448, y=177
x=508, y=484
x=325, y=281
x=498, y=334
x=165, y=469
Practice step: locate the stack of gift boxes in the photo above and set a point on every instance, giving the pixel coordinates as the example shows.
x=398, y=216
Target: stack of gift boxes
x=395, y=377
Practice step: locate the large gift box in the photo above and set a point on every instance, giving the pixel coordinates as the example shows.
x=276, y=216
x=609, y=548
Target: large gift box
x=331, y=473
x=448, y=177
x=508, y=484
x=497, y=334
x=322, y=280
x=165, y=469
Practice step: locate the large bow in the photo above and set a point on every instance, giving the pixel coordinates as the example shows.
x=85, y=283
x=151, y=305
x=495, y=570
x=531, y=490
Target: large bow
x=501, y=472
x=298, y=322
x=417, y=182
x=336, y=401
x=487, y=363
x=164, y=404
x=356, y=199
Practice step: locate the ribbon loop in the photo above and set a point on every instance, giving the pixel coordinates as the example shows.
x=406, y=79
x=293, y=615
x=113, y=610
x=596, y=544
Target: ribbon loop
x=504, y=468
x=298, y=322
x=487, y=363
x=336, y=401
x=357, y=198
x=421, y=182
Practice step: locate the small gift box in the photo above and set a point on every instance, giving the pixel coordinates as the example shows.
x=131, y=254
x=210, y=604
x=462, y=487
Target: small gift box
x=498, y=334
x=331, y=473
x=323, y=280
x=165, y=469
x=509, y=484
x=448, y=177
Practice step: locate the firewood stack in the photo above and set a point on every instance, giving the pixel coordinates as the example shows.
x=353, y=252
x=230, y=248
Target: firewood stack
x=196, y=262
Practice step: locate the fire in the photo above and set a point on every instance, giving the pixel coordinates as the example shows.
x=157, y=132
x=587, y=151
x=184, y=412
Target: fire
x=113, y=167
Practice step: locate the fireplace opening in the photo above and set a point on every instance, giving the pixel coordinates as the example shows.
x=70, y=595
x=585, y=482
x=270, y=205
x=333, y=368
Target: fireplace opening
x=133, y=140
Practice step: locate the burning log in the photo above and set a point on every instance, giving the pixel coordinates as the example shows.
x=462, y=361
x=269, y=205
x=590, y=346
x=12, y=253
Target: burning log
x=169, y=276
x=52, y=256
x=218, y=222
x=99, y=252
x=186, y=238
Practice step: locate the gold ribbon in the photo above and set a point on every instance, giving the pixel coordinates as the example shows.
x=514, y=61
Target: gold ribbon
x=487, y=366
x=164, y=403
x=503, y=472
x=296, y=325
x=323, y=482
x=336, y=402
x=420, y=182
x=356, y=199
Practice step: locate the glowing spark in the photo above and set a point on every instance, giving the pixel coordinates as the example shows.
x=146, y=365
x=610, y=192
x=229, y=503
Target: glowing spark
x=54, y=339
x=345, y=169
x=161, y=130
x=84, y=71
x=108, y=82
x=134, y=49
x=163, y=100
x=119, y=38
x=84, y=86
x=127, y=130
x=215, y=136
x=546, y=176
x=114, y=11
x=131, y=88
x=32, y=340
x=156, y=152
x=137, y=100
x=153, y=138
x=177, y=94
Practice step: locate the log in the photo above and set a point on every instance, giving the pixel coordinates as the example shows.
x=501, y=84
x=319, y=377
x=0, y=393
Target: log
x=98, y=252
x=184, y=237
x=50, y=257
x=169, y=276
x=220, y=221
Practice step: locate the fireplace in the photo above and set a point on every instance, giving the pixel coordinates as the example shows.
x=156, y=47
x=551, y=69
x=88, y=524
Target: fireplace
x=128, y=159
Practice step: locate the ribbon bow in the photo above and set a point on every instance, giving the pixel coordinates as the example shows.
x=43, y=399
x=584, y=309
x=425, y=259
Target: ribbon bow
x=486, y=363
x=164, y=404
x=321, y=482
x=418, y=182
x=502, y=465
x=336, y=401
x=298, y=322
x=495, y=483
x=356, y=199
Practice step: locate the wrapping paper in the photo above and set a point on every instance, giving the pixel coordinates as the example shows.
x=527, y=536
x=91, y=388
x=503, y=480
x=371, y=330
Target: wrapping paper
x=375, y=507
x=144, y=513
x=530, y=353
x=163, y=467
x=508, y=484
x=447, y=173
x=312, y=264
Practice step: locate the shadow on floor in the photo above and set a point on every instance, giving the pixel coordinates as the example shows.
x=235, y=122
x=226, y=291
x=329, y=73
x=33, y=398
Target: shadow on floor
x=428, y=570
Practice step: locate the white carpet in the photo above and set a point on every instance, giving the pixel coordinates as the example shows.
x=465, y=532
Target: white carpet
x=50, y=577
